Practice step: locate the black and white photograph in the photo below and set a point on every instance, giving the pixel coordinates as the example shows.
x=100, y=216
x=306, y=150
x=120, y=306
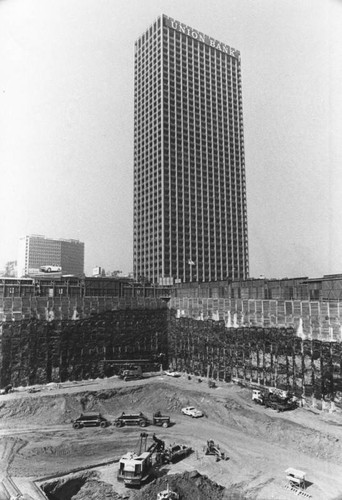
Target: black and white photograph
x=171, y=249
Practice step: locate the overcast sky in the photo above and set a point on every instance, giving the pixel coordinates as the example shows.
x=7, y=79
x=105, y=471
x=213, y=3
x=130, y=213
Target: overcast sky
x=66, y=124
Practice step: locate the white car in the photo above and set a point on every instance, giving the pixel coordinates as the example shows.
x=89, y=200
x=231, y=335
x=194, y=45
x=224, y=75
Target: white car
x=191, y=411
x=172, y=374
x=51, y=269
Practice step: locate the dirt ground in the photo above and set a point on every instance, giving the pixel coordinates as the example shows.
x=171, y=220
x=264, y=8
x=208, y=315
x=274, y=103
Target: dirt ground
x=37, y=440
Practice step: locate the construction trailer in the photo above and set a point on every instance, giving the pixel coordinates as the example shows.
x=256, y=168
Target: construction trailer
x=296, y=478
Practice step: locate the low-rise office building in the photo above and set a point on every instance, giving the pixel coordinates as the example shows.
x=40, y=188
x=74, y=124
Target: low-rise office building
x=36, y=252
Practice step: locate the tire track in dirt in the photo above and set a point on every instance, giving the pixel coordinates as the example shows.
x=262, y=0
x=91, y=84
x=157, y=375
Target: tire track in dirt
x=9, y=447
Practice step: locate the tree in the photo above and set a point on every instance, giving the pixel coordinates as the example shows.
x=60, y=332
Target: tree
x=116, y=273
x=11, y=269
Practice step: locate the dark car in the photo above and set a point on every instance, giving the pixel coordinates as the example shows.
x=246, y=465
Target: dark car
x=90, y=420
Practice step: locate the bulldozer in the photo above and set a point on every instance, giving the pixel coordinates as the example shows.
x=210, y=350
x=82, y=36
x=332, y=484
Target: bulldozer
x=214, y=449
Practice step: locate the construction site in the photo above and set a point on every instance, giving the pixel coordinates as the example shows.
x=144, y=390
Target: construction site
x=217, y=403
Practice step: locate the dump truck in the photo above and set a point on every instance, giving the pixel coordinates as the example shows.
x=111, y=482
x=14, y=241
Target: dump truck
x=277, y=399
x=277, y=403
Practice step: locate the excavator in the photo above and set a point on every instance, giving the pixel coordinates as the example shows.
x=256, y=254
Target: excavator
x=137, y=468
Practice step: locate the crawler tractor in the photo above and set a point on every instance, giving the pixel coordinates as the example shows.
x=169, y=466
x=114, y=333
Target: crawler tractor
x=214, y=449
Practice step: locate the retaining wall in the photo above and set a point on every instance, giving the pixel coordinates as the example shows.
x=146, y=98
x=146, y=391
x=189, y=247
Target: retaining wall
x=57, y=340
x=311, y=320
x=62, y=308
x=273, y=357
x=38, y=352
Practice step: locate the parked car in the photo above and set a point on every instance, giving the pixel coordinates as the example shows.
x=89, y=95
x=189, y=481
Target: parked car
x=34, y=389
x=90, y=420
x=51, y=269
x=191, y=411
x=171, y=373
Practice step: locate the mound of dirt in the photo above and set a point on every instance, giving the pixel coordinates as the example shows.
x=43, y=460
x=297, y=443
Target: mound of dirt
x=189, y=485
x=86, y=486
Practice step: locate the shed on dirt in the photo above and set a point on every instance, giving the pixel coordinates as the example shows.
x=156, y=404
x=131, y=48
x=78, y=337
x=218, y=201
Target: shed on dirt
x=296, y=477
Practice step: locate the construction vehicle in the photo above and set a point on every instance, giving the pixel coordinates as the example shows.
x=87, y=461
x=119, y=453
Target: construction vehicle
x=131, y=419
x=214, y=449
x=167, y=494
x=174, y=453
x=137, y=468
x=258, y=397
x=90, y=420
x=131, y=372
x=277, y=399
x=279, y=403
x=159, y=419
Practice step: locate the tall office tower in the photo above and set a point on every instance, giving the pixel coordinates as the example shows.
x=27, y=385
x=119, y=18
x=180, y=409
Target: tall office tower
x=190, y=215
x=36, y=251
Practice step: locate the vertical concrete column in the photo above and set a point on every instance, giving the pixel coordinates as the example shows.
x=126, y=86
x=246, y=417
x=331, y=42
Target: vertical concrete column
x=258, y=359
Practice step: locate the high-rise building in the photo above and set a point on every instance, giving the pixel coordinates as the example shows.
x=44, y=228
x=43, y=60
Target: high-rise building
x=36, y=251
x=190, y=214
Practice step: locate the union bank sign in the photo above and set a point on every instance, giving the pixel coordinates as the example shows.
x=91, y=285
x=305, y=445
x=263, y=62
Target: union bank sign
x=201, y=37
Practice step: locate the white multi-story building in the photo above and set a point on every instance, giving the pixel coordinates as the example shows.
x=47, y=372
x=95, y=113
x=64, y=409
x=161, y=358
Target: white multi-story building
x=36, y=251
